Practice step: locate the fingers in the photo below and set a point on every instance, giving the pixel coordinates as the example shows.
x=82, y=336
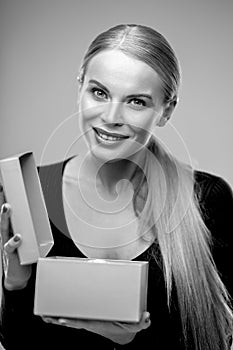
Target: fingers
x=96, y=326
x=12, y=244
x=121, y=333
x=144, y=323
x=69, y=322
x=62, y=322
x=15, y=275
x=5, y=222
x=2, y=199
x=2, y=196
x=145, y=320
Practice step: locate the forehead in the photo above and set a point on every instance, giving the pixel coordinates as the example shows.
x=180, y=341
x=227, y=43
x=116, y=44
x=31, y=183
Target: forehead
x=115, y=68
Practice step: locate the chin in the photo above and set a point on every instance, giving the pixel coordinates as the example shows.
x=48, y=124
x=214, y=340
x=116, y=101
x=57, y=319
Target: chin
x=104, y=157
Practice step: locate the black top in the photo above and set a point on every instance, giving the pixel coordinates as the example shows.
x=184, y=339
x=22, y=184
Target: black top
x=20, y=329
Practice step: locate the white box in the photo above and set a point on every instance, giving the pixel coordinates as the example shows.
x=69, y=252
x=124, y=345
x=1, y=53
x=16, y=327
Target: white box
x=111, y=290
x=29, y=218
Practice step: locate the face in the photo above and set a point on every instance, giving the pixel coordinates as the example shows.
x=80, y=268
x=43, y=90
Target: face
x=120, y=102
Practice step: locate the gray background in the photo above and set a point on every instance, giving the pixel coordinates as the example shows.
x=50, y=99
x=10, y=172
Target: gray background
x=41, y=47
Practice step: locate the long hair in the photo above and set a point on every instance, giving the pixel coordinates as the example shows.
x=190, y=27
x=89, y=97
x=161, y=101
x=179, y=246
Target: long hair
x=170, y=204
x=185, y=246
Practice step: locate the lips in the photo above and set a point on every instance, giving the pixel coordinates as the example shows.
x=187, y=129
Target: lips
x=100, y=131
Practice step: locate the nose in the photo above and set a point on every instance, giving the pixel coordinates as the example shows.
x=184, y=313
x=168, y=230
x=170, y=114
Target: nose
x=113, y=113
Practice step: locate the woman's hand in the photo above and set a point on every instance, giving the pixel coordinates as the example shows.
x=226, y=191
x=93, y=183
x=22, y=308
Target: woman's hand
x=119, y=332
x=16, y=276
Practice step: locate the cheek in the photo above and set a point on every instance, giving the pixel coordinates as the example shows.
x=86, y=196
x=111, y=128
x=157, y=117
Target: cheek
x=90, y=108
x=142, y=122
x=87, y=110
x=86, y=105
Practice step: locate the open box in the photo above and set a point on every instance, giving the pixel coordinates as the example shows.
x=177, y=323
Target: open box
x=111, y=290
x=29, y=218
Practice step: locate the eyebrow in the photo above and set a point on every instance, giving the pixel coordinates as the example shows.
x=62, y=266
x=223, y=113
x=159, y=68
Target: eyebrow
x=93, y=81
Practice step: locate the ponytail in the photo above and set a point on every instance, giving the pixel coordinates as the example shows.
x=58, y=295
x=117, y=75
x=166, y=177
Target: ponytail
x=184, y=244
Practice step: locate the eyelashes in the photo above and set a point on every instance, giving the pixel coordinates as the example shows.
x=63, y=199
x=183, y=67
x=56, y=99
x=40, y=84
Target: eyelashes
x=101, y=95
x=138, y=102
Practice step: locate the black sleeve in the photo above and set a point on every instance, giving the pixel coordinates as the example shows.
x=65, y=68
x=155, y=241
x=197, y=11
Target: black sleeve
x=219, y=204
x=16, y=309
x=16, y=312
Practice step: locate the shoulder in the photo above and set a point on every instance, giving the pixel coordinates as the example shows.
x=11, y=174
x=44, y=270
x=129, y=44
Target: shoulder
x=215, y=198
x=216, y=203
x=51, y=174
x=212, y=188
x=54, y=166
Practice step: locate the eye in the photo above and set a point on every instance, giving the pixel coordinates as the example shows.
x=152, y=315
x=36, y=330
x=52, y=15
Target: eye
x=99, y=93
x=137, y=102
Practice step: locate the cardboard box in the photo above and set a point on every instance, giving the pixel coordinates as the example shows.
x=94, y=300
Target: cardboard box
x=112, y=290
x=22, y=189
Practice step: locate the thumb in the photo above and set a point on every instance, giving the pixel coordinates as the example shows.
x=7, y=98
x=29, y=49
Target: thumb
x=145, y=321
x=13, y=243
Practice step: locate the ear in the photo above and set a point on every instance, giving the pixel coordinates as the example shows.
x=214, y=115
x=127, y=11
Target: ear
x=80, y=79
x=168, y=109
x=81, y=75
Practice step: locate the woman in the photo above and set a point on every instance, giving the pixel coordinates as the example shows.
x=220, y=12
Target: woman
x=181, y=218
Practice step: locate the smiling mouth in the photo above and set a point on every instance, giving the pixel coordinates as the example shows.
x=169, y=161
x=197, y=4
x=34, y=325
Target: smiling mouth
x=107, y=136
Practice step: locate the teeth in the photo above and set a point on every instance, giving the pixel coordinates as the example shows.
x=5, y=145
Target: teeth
x=110, y=138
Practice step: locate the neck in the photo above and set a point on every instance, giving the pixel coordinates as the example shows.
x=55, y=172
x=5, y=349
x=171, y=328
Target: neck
x=109, y=174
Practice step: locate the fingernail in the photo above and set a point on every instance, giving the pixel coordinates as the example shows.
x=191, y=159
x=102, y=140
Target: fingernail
x=147, y=319
x=16, y=238
x=4, y=208
x=62, y=321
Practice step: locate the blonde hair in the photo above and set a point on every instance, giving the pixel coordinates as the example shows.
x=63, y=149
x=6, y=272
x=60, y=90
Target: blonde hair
x=143, y=43
x=184, y=243
x=166, y=201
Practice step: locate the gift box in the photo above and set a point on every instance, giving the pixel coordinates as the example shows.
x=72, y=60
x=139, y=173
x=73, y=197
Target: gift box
x=98, y=289
x=29, y=217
